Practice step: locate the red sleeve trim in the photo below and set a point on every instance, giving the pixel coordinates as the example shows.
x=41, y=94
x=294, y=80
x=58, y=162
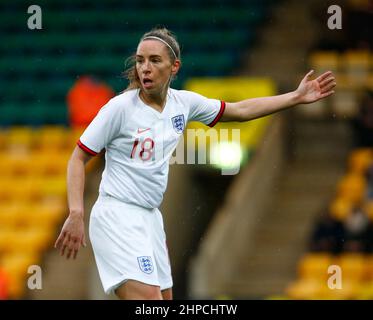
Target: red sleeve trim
x=86, y=149
x=218, y=116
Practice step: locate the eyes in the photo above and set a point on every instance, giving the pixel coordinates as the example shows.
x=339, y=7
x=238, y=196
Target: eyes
x=152, y=60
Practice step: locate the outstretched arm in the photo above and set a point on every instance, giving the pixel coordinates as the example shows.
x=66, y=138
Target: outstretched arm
x=308, y=91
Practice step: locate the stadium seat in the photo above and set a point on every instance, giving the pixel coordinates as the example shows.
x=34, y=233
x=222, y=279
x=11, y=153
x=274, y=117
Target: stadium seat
x=348, y=291
x=369, y=267
x=10, y=214
x=19, y=138
x=366, y=291
x=3, y=140
x=357, y=65
x=352, y=187
x=16, y=266
x=353, y=266
x=49, y=163
x=359, y=160
x=53, y=137
x=314, y=266
x=305, y=289
x=31, y=239
x=340, y=208
x=53, y=187
x=5, y=165
x=6, y=234
x=368, y=209
x=42, y=215
x=13, y=164
x=322, y=61
x=345, y=101
x=18, y=188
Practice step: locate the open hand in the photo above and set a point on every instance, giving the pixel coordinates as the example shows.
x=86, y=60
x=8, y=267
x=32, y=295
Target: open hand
x=71, y=237
x=313, y=90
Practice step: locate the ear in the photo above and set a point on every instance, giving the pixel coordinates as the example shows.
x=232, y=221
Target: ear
x=175, y=67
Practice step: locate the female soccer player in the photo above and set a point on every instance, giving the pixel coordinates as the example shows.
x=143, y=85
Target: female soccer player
x=140, y=129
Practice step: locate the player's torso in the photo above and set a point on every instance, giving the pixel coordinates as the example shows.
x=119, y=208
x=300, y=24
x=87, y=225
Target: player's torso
x=148, y=137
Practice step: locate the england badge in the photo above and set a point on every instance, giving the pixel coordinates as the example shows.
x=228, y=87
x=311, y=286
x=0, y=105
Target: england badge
x=146, y=264
x=178, y=123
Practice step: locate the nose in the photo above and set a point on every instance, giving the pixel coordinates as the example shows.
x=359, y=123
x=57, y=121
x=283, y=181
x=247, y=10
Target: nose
x=145, y=68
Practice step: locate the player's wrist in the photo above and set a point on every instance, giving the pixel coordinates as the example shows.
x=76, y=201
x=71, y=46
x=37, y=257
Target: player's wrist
x=295, y=97
x=76, y=213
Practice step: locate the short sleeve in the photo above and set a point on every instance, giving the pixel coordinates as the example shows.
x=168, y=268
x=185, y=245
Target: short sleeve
x=202, y=109
x=102, y=130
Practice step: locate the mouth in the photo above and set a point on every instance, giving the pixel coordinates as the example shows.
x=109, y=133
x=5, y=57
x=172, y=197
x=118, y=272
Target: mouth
x=147, y=83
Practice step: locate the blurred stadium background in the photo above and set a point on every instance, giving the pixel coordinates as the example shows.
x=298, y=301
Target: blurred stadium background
x=303, y=199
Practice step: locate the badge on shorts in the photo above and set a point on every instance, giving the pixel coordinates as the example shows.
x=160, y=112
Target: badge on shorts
x=178, y=123
x=146, y=264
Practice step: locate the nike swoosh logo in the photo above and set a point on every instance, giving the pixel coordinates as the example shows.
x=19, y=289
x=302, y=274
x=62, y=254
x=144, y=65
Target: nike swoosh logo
x=142, y=130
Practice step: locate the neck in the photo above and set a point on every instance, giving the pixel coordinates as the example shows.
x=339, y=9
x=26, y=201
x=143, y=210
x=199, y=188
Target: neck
x=155, y=100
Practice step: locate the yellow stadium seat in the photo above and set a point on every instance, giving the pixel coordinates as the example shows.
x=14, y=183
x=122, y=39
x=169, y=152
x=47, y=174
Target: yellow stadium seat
x=357, y=65
x=314, y=265
x=5, y=165
x=10, y=214
x=340, y=208
x=53, y=138
x=234, y=89
x=42, y=214
x=49, y=163
x=352, y=187
x=304, y=289
x=345, y=101
x=3, y=139
x=31, y=239
x=348, y=291
x=53, y=187
x=6, y=237
x=322, y=61
x=360, y=159
x=353, y=266
x=16, y=267
x=17, y=189
x=19, y=138
x=369, y=267
x=368, y=209
x=15, y=164
x=6, y=193
x=365, y=292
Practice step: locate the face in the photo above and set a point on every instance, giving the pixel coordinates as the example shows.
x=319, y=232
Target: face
x=154, y=66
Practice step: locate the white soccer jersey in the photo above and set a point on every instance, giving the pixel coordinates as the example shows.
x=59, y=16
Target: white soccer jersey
x=139, y=141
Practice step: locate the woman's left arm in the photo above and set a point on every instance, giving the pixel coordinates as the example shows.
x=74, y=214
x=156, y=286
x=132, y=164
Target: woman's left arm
x=308, y=91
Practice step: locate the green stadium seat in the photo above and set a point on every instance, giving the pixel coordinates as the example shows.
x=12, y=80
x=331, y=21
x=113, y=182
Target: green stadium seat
x=80, y=39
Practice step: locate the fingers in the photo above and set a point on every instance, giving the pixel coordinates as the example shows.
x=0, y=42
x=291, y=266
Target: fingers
x=326, y=94
x=309, y=74
x=69, y=245
x=326, y=81
x=76, y=249
x=324, y=76
x=59, y=240
x=83, y=242
x=65, y=244
x=328, y=87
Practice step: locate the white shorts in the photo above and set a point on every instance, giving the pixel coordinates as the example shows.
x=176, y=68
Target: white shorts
x=129, y=242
